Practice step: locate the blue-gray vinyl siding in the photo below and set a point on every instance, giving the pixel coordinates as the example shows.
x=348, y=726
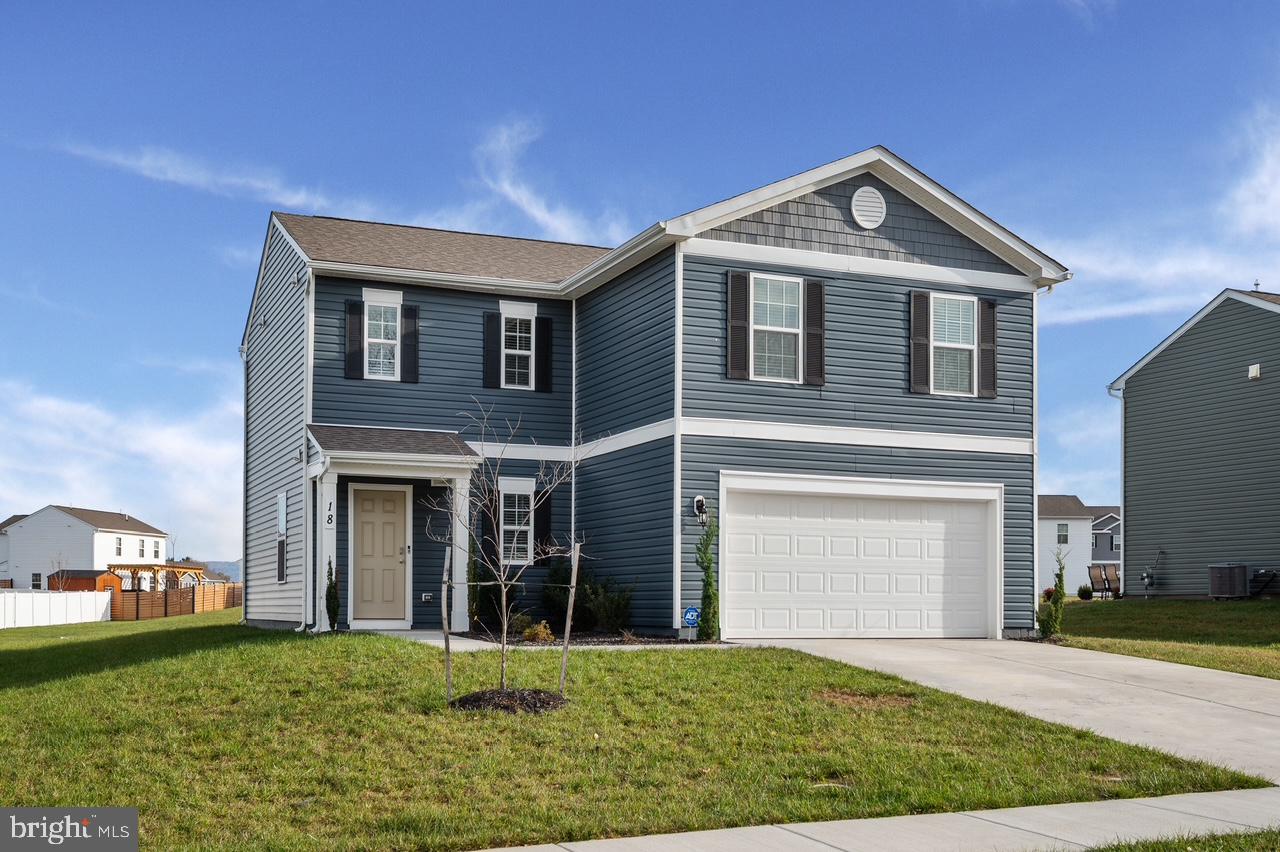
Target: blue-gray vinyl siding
x=822, y=220
x=624, y=507
x=1201, y=465
x=429, y=553
x=451, y=363
x=1103, y=551
x=867, y=358
x=626, y=350
x=703, y=458
x=275, y=382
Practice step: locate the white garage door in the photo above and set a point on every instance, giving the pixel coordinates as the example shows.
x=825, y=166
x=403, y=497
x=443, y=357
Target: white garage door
x=813, y=565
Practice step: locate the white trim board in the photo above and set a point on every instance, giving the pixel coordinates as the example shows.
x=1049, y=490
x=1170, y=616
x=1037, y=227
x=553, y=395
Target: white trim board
x=807, y=433
x=991, y=493
x=1239, y=296
x=748, y=253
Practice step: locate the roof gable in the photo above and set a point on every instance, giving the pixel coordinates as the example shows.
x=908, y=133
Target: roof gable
x=1265, y=301
x=1062, y=506
x=113, y=521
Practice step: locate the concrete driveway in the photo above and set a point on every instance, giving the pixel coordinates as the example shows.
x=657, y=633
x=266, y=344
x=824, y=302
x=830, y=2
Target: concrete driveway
x=1220, y=717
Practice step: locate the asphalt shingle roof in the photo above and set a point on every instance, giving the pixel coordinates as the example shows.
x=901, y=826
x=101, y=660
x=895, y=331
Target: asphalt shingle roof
x=432, y=250
x=110, y=520
x=364, y=439
x=1062, y=506
x=12, y=519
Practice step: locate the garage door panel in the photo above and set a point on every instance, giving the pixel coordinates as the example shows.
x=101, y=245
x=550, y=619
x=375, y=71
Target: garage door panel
x=821, y=565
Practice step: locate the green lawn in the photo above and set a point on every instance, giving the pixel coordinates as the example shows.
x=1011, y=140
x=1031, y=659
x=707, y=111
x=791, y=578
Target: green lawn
x=1259, y=841
x=1236, y=636
x=226, y=736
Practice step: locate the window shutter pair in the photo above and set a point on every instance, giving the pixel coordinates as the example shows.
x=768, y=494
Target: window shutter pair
x=738, y=333
x=354, y=367
x=543, y=330
x=921, y=345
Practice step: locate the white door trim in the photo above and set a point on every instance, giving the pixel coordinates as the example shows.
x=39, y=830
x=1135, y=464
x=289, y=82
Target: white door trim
x=382, y=623
x=850, y=486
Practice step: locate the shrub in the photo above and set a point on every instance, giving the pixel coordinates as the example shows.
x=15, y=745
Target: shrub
x=1085, y=592
x=520, y=622
x=331, y=599
x=1047, y=594
x=610, y=604
x=709, y=620
x=539, y=632
x=484, y=604
x=555, y=595
x=1049, y=615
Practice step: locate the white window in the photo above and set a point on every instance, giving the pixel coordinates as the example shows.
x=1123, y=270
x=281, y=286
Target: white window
x=1115, y=544
x=1095, y=541
x=953, y=334
x=518, y=328
x=381, y=341
x=155, y=550
x=142, y=548
x=775, y=328
x=37, y=581
x=517, y=519
x=119, y=546
x=1062, y=534
x=282, y=532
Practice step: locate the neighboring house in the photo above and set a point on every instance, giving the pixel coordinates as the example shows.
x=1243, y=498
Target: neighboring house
x=841, y=364
x=70, y=539
x=5, y=574
x=1108, y=536
x=1201, y=471
x=1066, y=526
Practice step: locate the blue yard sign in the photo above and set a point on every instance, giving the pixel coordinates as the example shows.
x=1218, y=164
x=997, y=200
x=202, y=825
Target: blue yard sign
x=691, y=616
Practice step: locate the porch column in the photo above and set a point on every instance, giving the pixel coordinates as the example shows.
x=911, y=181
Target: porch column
x=327, y=556
x=461, y=541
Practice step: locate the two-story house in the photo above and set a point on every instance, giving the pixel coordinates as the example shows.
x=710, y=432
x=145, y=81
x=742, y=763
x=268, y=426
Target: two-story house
x=72, y=539
x=1065, y=529
x=1108, y=536
x=840, y=365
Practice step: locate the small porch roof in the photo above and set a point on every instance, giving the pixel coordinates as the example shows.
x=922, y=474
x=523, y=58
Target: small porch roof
x=374, y=449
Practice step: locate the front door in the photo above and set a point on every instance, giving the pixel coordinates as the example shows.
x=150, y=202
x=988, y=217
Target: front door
x=379, y=555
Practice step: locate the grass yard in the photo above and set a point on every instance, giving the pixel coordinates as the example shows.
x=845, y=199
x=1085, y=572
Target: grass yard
x=226, y=736
x=1259, y=841
x=1235, y=636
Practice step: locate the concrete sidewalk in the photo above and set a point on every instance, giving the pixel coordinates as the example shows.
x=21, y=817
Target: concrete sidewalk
x=1071, y=826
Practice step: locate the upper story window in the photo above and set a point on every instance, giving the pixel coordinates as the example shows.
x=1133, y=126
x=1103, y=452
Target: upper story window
x=955, y=343
x=142, y=548
x=1095, y=541
x=155, y=550
x=382, y=340
x=775, y=328
x=517, y=520
x=1062, y=534
x=37, y=580
x=517, y=344
x=1115, y=543
x=119, y=546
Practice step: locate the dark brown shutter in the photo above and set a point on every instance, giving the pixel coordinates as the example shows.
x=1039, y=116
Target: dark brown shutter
x=492, y=349
x=986, y=349
x=919, y=342
x=738, y=336
x=355, y=339
x=815, y=332
x=409, y=344
x=542, y=519
x=542, y=354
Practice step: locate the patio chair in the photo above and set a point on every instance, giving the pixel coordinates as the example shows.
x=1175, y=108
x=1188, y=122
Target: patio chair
x=1098, y=581
x=1112, y=576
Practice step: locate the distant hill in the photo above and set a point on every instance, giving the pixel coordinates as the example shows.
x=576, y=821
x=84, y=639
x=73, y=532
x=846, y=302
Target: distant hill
x=231, y=569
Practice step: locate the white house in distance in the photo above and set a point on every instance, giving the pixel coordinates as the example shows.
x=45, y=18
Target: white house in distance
x=64, y=537
x=1065, y=523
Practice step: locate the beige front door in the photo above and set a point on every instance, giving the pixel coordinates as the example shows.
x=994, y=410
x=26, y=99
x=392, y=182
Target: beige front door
x=379, y=555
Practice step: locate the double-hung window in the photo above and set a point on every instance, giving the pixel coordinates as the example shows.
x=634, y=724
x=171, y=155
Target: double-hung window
x=516, y=496
x=142, y=548
x=1062, y=534
x=954, y=344
x=381, y=339
x=1115, y=544
x=776, y=326
x=37, y=581
x=517, y=344
x=119, y=546
x=1095, y=541
x=155, y=550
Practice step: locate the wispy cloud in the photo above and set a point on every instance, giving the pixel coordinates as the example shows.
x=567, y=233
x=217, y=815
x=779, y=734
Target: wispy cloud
x=177, y=469
x=508, y=197
x=1089, y=11
x=1136, y=266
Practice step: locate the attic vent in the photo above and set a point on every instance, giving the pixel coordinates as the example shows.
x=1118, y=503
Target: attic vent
x=868, y=207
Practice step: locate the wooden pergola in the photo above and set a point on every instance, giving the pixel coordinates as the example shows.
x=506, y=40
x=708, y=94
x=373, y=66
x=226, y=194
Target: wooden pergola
x=176, y=569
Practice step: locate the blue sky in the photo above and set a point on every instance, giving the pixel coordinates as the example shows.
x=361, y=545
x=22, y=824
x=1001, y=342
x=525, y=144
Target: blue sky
x=142, y=146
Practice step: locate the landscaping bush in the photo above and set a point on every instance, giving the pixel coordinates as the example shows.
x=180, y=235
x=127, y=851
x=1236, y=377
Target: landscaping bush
x=1049, y=615
x=1047, y=594
x=539, y=632
x=555, y=595
x=331, y=599
x=610, y=604
x=520, y=622
x=1085, y=592
x=709, y=619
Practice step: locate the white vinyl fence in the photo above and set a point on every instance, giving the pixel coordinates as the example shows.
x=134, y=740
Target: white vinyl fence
x=33, y=608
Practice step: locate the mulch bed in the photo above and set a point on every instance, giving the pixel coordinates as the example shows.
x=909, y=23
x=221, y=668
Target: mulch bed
x=577, y=639
x=510, y=701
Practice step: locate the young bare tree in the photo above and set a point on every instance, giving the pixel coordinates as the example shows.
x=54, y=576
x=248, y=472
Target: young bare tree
x=502, y=527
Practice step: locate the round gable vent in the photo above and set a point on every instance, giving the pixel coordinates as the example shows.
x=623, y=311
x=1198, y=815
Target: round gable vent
x=869, y=208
